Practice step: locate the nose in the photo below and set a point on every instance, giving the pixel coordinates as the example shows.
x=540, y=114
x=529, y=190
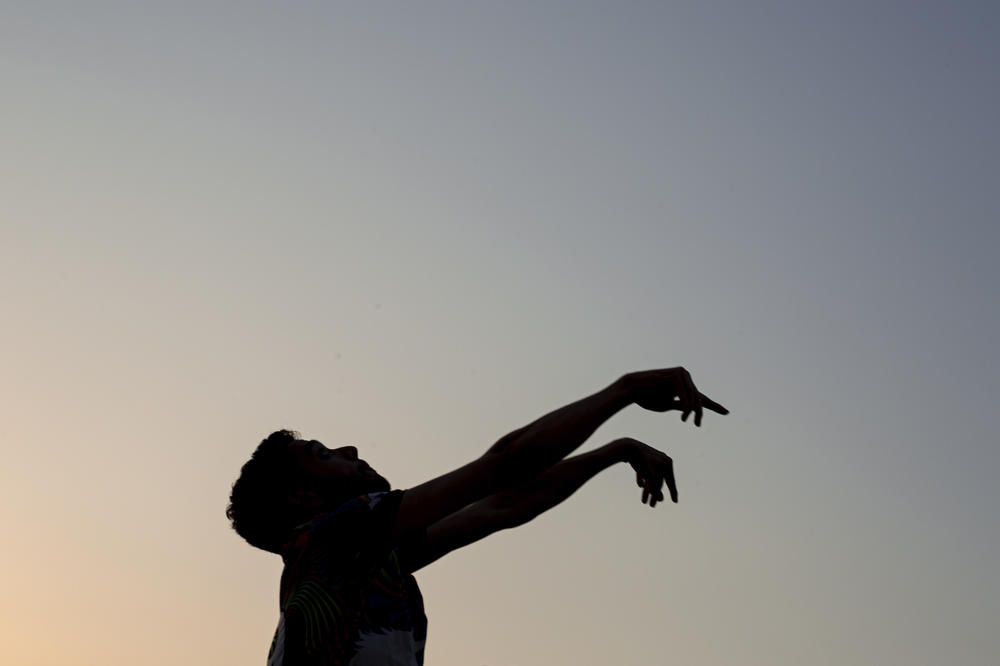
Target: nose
x=349, y=452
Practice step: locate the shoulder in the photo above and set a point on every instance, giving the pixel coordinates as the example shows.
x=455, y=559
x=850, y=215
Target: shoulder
x=360, y=518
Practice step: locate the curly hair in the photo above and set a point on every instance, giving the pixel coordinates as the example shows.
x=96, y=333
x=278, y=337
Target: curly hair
x=258, y=507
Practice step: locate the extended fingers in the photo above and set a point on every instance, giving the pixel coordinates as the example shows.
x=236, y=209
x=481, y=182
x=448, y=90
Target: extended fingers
x=713, y=405
x=668, y=475
x=690, y=399
x=652, y=469
x=652, y=483
x=695, y=399
x=649, y=484
x=655, y=494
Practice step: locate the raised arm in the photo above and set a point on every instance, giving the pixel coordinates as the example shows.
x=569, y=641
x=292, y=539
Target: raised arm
x=515, y=458
x=527, y=452
x=551, y=438
x=521, y=504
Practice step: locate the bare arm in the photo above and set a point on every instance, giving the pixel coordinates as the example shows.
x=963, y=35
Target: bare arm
x=519, y=505
x=547, y=440
x=527, y=452
x=517, y=457
x=529, y=500
x=515, y=506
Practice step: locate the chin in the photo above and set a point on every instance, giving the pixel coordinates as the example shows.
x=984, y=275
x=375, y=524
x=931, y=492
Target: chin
x=380, y=485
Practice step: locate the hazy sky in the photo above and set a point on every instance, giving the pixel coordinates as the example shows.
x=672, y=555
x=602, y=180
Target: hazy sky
x=414, y=227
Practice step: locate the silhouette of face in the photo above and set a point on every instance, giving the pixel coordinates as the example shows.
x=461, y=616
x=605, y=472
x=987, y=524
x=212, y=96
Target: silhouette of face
x=336, y=472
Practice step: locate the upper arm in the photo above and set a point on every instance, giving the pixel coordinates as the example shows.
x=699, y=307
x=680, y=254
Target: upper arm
x=460, y=529
x=433, y=500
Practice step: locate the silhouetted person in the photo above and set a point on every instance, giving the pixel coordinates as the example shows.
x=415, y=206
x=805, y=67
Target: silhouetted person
x=350, y=544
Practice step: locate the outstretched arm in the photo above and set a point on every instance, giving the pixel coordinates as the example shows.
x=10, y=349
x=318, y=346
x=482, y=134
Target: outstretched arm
x=522, y=504
x=525, y=453
x=548, y=440
x=544, y=442
x=517, y=457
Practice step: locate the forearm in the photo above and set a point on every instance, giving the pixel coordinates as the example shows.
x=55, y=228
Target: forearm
x=515, y=506
x=541, y=444
x=523, y=503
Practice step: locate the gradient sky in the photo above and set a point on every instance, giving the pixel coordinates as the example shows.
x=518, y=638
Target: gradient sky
x=413, y=227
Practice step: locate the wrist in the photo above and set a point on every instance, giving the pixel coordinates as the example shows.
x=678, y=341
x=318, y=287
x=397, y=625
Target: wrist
x=620, y=450
x=620, y=391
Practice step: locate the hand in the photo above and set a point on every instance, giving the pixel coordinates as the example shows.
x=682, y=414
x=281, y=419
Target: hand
x=672, y=388
x=652, y=469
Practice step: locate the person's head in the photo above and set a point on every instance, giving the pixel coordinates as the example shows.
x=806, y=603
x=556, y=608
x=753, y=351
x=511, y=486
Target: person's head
x=288, y=481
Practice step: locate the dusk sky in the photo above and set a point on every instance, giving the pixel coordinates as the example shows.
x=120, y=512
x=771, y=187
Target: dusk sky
x=414, y=227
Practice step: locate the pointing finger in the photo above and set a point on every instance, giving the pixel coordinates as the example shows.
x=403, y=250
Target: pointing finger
x=713, y=405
